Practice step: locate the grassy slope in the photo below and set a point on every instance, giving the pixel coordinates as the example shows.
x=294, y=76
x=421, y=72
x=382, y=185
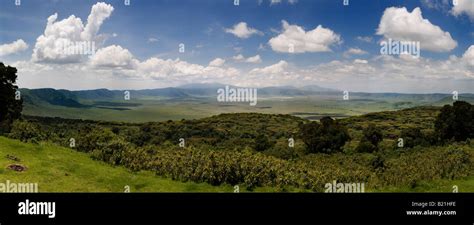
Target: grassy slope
x=58, y=169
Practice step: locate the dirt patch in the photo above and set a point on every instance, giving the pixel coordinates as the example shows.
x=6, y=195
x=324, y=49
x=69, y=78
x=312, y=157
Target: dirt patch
x=17, y=167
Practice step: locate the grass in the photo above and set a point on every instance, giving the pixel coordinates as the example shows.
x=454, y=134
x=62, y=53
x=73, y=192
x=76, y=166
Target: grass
x=310, y=107
x=58, y=169
x=463, y=185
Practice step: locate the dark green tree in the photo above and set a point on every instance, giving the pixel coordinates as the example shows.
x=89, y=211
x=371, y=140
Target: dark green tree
x=327, y=136
x=413, y=137
x=10, y=108
x=372, y=136
x=262, y=143
x=455, y=122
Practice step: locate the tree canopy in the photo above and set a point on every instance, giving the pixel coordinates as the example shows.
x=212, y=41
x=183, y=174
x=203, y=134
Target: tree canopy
x=10, y=107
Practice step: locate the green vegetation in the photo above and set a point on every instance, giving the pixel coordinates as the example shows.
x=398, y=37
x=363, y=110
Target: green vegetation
x=223, y=151
x=10, y=101
x=58, y=169
x=324, y=137
x=391, y=150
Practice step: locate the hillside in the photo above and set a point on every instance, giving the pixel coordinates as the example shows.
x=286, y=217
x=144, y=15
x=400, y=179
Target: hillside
x=58, y=169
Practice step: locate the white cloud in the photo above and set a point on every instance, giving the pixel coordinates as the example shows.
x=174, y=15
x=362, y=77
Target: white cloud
x=238, y=57
x=361, y=61
x=317, y=40
x=464, y=7
x=14, y=47
x=99, y=12
x=354, y=51
x=152, y=39
x=367, y=39
x=401, y=25
x=254, y=59
x=275, y=2
x=468, y=56
x=113, y=56
x=217, y=62
x=48, y=47
x=243, y=31
x=278, y=68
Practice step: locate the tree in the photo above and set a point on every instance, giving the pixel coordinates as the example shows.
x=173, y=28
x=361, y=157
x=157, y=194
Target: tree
x=10, y=108
x=413, y=137
x=327, y=136
x=262, y=143
x=455, y=122
x=372, y=136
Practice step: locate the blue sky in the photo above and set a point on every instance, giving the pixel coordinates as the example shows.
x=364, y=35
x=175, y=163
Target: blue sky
x=153, y=29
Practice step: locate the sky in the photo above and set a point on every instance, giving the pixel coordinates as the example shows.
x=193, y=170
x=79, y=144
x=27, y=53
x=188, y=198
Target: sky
x=255, y=43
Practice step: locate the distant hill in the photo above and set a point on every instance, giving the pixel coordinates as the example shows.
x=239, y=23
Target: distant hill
x=50, y=96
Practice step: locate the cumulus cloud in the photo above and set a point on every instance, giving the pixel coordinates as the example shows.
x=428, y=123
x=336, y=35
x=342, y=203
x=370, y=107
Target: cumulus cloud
x=99, y=12
x=241, y=30
x=217, y=62
x=354, y=51
x=401, y=25
x=468, y=56
x=238, y=57
x=14, y=47
x=464, y=7
x=49, y=46
x=362, y=61
x=113, y=56
x=253, y=59
x=277, y=68
x=294, y=39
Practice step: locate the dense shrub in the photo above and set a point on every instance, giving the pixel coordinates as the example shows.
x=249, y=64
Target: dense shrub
x=111, y=152
x=262, y=143
x=328, y=136
x=455, y=122
x=450, y=162
x=26, y=132
x=92, y=138
x=372, y=136
x=413, y=137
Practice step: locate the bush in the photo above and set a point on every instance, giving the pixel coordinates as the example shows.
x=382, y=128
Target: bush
x=92, y=138
x=455, y=122
x=328, y=136
x=413, y=137
x=26, y=132
x=111, y=152
x=366, y=146
x=372, y=136
x=262, y=143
